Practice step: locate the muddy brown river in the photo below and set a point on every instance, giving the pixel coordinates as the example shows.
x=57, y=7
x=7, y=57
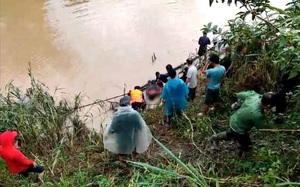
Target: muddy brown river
x=97, y=46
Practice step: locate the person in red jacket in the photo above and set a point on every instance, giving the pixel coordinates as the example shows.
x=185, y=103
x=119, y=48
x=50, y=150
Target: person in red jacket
x=15, y=160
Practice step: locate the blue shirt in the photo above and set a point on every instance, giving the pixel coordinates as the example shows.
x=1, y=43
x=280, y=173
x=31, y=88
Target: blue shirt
x=215, y=76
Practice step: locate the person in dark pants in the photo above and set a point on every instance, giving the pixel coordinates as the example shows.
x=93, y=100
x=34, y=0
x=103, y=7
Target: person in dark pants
x=250, y=114
x=184, y=73
x=215, y=76
x=284, y=85
x=191, y=79
x=16, y=161
x=227, y=61
x=137, y=98
x=203, y=42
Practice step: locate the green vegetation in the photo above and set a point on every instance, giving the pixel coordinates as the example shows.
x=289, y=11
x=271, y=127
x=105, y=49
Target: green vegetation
x=55, y=136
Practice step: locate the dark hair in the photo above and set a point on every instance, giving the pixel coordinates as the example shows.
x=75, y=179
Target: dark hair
x=169, y=67
x=172, y=73
x=189, y=61
x=157, y=73
x=204, y=32
x=160, y=84
x=137, y=87
x=268, y=99
x=214, y=58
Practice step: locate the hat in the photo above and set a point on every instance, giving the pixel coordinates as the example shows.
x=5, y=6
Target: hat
x=125, y=101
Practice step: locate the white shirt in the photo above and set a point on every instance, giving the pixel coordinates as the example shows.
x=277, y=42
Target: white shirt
x=192, y=75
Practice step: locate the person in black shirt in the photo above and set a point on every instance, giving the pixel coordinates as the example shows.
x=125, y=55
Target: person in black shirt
x=203, y=42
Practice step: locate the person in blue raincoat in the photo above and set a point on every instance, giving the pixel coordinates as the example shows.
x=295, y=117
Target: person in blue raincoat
x=174, y=96
x=127, y=133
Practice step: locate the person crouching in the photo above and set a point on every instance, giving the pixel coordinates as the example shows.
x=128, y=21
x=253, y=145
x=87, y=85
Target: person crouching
x=15, y=160
x=137, y=98
x=250, y=114
x=127, y=133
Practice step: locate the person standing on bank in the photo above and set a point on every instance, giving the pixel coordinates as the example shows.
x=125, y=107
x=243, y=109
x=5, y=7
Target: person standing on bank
x=174, y=96
x=191, y=79
x=215, y=75
x=203, y=42
x=127, y=134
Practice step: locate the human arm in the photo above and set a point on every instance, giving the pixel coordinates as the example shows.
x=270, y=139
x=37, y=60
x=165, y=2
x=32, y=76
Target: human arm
x=232, y=59
x=259, y=120
x=204, y=69
x=164, y=93
x=22, y=160
x=242, y=96
x=208, y=41
x=199, y=41
x=188, y=77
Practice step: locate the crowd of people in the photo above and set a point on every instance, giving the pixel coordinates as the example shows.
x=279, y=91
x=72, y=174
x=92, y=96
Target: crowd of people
x=128, y=134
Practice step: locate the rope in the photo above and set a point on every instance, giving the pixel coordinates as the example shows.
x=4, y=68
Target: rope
x=142, y=87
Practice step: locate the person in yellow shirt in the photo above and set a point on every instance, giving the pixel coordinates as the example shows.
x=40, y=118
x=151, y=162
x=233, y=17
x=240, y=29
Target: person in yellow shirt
x=137, y=98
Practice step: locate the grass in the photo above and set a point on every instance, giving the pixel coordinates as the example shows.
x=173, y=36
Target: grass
x=177, y=157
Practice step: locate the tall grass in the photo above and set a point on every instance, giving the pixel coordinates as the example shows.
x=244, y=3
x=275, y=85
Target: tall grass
x=54, y=135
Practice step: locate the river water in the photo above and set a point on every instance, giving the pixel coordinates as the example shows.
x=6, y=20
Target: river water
x=97, y=46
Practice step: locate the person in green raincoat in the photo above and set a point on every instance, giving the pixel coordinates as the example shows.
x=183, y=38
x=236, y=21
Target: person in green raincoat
x=250, y=114
x=127, y=133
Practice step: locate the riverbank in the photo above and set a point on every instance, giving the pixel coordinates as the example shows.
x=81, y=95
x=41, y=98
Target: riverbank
x=78, y=158
x=180, y=157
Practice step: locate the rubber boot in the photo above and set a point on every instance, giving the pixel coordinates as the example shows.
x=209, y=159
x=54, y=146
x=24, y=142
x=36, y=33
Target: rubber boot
x=216, y=138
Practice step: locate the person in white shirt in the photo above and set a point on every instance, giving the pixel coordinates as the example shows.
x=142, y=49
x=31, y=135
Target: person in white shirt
x=191, y=79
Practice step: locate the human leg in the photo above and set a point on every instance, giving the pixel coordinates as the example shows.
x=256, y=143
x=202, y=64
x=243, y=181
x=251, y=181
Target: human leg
x=208, y=101
x=244, y=142
x=169, y=113
x=134, y=154
x=192, y=94
x=134, y=106
x=34, y=169
x=122, y=158
x=223, y=136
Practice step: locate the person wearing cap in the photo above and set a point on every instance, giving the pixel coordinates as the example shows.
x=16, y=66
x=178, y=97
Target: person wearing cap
x=250, y=114
x=191, y=79
x=203, y=42
x=174, y=96
x=127, y=133
x=215, y=76
x=15, y=160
